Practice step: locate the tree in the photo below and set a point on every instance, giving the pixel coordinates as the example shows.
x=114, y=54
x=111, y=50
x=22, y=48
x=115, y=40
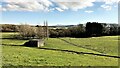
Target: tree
x=40, y=32
x=106, y=29
x=113, y=29
x=94, y=29
x=9, y=28
x=119, y=30
x=27, y=31
x=53, y=33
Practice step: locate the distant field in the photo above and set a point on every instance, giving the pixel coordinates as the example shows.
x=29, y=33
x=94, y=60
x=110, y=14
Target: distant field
x=8, y=39
x=8, y=34
x=16, y=55
x=105, y=44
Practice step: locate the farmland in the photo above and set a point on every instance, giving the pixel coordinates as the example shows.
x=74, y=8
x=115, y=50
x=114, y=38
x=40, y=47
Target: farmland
x=14, y=54
x=105, y=44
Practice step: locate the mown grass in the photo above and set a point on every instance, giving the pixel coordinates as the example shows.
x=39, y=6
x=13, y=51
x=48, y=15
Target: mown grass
x=8, y=39
x=59, y=44
x=8, y=34
x=28, y=56
x=105, y=44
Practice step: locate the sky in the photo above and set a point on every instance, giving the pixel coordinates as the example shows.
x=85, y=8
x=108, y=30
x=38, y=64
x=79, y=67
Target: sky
x=58, y=12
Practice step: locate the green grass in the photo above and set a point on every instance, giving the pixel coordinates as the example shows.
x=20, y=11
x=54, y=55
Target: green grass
x=25, y=56
x=8, y=39
x=105, y=44
x=28, y=56
x=59, y=44
x=7, y=34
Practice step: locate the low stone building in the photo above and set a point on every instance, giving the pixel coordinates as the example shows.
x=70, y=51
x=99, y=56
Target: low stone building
x=34, y=43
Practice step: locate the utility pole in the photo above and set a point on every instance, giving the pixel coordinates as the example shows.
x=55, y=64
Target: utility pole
x=14, y=30
x=47, y=31
x=44, y=30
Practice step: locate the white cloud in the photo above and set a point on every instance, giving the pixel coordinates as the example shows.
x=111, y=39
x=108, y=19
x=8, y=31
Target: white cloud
x=50, y=5
x=35, y=5
x=59, y=9
x=89, y=11
x=115, y=6
x=70, y=0
x=45, y=5
x=108, y=1
x=74, y=4
x=0, y=8
x=107, y=7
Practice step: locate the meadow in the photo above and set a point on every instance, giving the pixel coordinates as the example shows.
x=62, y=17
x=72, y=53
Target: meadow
x=104, y=44
x=14, y=54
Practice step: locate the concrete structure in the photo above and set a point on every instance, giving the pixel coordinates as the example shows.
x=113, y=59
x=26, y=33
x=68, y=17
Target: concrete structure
x=34, y=43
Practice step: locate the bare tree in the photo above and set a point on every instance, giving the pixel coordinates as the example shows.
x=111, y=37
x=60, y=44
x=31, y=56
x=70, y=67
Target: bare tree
x=27, y=31
x=40, y=32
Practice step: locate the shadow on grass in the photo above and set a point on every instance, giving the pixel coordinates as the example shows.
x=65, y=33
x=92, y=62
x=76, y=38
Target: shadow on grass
x=80, y=46
x=65, y=51
x=11, y=45
x=14, y=38
x=79, y=52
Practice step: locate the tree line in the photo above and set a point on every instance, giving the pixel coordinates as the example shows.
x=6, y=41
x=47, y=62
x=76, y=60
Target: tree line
x=89, y=30
x=25, y=31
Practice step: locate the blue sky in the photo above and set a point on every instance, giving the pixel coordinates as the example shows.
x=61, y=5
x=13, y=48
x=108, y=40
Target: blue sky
x=57, y=12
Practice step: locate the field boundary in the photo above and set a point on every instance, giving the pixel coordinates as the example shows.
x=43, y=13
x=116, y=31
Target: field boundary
x=69, y=51
x=80, y=52
x=79, y=45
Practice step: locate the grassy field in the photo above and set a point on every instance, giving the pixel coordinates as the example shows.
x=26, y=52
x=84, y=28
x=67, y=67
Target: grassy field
x=105, y=44
x=14, y=54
